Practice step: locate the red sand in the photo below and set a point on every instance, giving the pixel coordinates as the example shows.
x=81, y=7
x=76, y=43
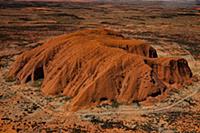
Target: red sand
x=96, y=65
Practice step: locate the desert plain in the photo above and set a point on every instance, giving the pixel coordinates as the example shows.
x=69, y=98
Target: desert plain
x=173, y=29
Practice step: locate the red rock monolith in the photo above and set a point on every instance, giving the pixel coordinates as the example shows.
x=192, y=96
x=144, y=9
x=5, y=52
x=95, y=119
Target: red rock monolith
x=91, y=66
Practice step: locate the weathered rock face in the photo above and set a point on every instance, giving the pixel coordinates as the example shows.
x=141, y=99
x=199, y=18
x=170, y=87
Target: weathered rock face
x=96, y=65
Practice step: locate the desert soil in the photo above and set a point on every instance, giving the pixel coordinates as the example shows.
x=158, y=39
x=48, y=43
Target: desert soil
x=174, y=30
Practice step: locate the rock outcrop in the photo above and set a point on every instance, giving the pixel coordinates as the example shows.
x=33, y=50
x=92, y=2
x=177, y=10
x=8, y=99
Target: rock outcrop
x=92, y=66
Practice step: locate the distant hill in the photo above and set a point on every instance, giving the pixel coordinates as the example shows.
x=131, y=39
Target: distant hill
x=59, y=0
x=197, y=1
